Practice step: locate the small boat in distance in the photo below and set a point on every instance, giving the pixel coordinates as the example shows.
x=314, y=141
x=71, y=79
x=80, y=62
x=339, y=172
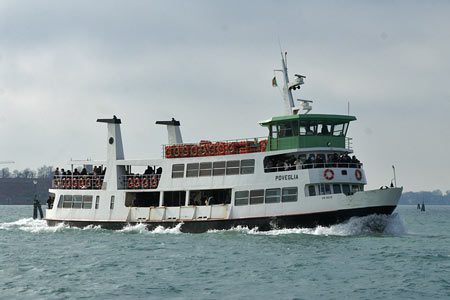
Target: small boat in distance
x=300, y=175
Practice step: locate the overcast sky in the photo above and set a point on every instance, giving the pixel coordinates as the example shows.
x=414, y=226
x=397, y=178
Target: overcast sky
x=209, y=64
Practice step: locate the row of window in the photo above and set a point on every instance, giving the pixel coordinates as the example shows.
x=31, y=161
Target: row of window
x=81, y=201
x=328, y=189
x=292, y=128
x=217, y=168
x=289, y=194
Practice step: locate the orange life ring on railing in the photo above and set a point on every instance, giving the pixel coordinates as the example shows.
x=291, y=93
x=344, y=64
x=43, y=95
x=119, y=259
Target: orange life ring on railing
x=169, y=152
x=98, y=183
x=137, y=182
x=176, y=151
x=145, y=183
x=221, y=149
x=263, y=145
x=358, y=174
x=185, y=151
x=88, y=183
x=74, y=183
x=81, y=183
x=154, y=182
x=231, y=148
x=328, y=174
x=194, y=150
x=204, y=150
x=130, y=183
x=56, y=183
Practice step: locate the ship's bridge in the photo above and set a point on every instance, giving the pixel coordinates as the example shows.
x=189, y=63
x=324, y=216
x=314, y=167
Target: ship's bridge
x=308, y=131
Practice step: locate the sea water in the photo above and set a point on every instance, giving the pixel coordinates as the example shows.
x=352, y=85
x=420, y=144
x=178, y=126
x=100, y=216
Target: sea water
x=403, y=256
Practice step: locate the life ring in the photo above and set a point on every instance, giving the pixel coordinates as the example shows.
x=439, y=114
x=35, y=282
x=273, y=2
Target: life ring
x=176, y=151
x=74, y=183
x=263, y=145
x=68, y=182
x=204, y=150
x=328, y=174
x=145, y=183
x=194, y=150
x=358, y=174
x=81, y=183
x=231, y=148
x=88, y=183
x=56, y=183
x=130, y=183
x=98, y=183
x=169, y=152
x=221, y=149
x=154, y=182
x=185, y=151
x=137, y=182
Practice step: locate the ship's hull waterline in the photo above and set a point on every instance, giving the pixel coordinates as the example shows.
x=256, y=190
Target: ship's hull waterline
x=261, y=223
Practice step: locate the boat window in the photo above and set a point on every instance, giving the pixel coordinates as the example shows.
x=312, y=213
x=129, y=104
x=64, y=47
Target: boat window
x=346, y=189
x=192, y=170
x=323, y=129
x=312, y=190
x=284, y=129
x=87, y=202
x=274, y=131
x=308, y=128
x=67, y=201
x=178, y=171
x=111, y=204
x=205, y=169
x=289, y=194
x=241, y=198
x=257, y=197
x=218, y=168
x=97, y=200
x=295, y=128
x=355, y=188
x=60, y=201
x=247, y=166
x=174, y=198
x=337, y=189
x=273, y=195
x=233, y=167
x=338, y=130
x=77, y=201
x=327, y=189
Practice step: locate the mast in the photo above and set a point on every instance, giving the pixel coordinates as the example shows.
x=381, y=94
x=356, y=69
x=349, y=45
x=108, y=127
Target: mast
x=289, y=106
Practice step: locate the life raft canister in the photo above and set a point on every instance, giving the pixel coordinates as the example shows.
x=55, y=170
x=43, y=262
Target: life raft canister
x=328, y=174
x=130, y=183
x=358, y=174
x=154, y=182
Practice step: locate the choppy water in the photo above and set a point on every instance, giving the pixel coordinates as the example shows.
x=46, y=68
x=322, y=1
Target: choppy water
x=410, y=259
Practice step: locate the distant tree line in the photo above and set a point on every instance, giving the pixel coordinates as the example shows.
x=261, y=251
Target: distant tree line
x=41, y=172
x=436, y=197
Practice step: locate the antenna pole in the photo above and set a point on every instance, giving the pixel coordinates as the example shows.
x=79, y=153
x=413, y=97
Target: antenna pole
x=287, y=93
x=395, y=178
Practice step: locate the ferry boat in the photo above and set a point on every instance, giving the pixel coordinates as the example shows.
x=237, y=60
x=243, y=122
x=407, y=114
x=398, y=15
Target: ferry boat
x=299, y=175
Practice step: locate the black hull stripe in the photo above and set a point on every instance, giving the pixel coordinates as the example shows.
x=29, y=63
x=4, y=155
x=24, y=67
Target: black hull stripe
x=263, y=223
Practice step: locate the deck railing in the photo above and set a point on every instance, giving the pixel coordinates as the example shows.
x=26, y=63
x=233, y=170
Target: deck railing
x=141, y=181
x=78, y=182
x=291, y=167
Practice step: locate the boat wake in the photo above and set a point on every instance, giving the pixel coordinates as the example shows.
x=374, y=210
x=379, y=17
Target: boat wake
x=31, y=225
x=373, y=224
x=142, y=228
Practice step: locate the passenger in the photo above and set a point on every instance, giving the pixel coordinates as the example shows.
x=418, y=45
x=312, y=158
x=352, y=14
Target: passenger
x=83, y=172
x=325, y=130
x=269, y=166
x=76, y=173
x=159, y=171
x=210, y=200
x=280, y=166
x=104, y=171
x=298, y=163
x=69, y=173
x=147, y=171
x=354, y=162
x=50, y=202
x=319, y=162
x=56, y=172
x=287, y=166
x=308, y=164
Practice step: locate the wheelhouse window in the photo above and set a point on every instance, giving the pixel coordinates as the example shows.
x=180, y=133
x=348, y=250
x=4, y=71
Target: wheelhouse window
x=241, y=198
x=284, y=129
x=274, y=131
x=178, y=171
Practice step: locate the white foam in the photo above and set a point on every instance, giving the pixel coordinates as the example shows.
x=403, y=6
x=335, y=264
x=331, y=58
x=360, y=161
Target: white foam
x=392, y=225
x=31, y=225
x=142, y=228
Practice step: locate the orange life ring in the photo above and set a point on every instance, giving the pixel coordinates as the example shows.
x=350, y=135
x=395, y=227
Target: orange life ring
x=328, y=174
x=169, y=152
x=185, y=151
x=98, y=183
x=88, y=183
x=176, y=151
x=204, y=150
x=56, y=183
x=145, y=183
x=81, y=183
x=74, y=183
x=358, y=174
x=137, y=182
x=231, y=148
x=68, y=182
x=221, y=148
x=194, y=150
x=263, y=145
x=130, y=183
x=154, y=182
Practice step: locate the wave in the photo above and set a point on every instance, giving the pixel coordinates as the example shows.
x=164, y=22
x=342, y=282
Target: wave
x=384, y=224
x=142, y=228
x=32, y=225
